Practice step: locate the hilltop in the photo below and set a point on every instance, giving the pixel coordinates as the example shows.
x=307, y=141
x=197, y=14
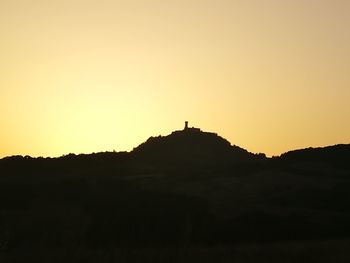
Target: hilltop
x=191, y=146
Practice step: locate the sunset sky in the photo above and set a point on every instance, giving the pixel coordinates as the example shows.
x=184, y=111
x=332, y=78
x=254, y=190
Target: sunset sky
x=99, y=75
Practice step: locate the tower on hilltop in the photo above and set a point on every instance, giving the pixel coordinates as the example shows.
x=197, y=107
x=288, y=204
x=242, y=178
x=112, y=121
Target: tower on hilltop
x=186, y=125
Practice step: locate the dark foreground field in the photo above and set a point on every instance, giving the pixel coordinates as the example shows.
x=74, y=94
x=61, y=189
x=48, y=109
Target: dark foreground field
x=187, y=197
x=288, y=252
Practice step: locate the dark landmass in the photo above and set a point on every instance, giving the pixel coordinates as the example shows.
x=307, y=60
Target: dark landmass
x=187, y=197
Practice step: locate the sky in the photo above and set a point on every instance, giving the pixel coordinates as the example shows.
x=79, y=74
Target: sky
x=82, y=76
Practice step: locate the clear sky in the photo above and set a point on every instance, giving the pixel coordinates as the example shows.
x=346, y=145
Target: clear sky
x=85, y=76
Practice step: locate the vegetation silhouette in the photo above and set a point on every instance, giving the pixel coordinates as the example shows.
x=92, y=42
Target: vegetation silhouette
x=186, y=197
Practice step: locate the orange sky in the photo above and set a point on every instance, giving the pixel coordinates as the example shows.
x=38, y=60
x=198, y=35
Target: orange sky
x=87, y=76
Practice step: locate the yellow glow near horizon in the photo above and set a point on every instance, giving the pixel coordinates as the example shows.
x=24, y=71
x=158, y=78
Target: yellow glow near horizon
x=88, y=76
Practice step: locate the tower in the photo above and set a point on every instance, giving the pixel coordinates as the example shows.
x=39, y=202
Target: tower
x=186, y=125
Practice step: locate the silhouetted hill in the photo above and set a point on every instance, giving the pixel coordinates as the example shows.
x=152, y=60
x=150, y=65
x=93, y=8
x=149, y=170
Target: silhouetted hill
x=186, y=197
x=337, y=156
x=191, y=146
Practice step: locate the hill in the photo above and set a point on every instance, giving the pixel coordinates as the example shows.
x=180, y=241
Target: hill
x=186, y=197
x=191, y=147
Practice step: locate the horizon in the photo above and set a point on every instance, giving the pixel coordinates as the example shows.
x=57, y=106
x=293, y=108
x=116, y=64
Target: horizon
x=92, y=76
x=154, y=136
